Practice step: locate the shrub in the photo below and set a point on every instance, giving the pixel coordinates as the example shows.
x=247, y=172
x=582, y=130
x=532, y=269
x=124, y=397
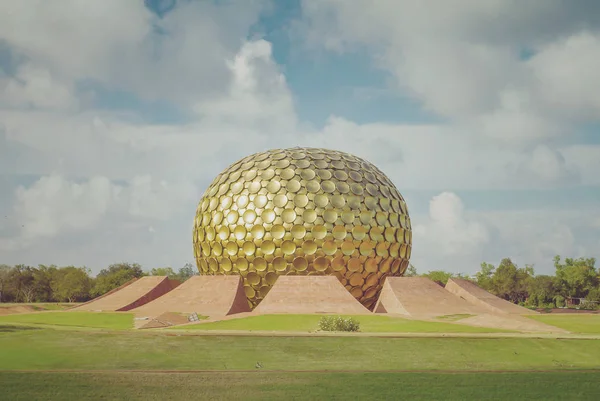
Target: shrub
x=588, y=306
x=338, y=323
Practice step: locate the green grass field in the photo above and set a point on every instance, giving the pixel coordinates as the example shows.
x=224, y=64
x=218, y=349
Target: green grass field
x=300, y=386
x=47, y=349
x=368, y=324
x=41, y=306
x=298, y=323
x=104, y=320
x=39, y=362
x=575, y=323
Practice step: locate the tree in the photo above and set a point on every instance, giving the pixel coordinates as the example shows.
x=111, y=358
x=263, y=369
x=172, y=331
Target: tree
x=575, y=277
x=484, y=276
x=42, y=277
x=72, y=284
x=22, y=281
x=541, y=291
x=163, y=271
x=593, y=295
x=411, y=271
x=116, y=275
x=510, y=282
x=439, y=276
x=5, y=273
x=187, y=271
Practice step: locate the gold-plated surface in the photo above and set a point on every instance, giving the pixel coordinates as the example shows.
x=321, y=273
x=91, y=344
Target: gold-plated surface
x=303, y=211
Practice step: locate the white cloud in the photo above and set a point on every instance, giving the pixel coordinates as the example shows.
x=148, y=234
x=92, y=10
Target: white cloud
x=122, y=45
x=255, y=112
x=258, y=94
x=547, y=167
x=536, y=236
x=34, y=87
x=153, y=199
x=567, y=75
x=586, y=159
x=107, y=180
x=464, y=59
x=53, y=204
x=158, y=167
x=95, y=33
x=437, y=157
x=449, y=230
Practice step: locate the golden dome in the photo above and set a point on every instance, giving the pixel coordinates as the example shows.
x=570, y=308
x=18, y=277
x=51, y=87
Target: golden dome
x=303, y=211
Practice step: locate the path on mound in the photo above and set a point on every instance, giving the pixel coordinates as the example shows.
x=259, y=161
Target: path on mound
x=219, y=296
x=420, y=298
x=478, y=296
x=135, y=294
x=309, y=294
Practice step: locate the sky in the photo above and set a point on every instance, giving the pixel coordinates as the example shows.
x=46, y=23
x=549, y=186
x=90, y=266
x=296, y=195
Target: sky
x=116, y=115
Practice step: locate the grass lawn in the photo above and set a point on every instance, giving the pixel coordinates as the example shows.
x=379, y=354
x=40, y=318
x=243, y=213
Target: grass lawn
x=100, y=320
x=332, y=368
x=46, y=349
x=53, y=306
x=41, y=306
x=300, y=386
x=368, y=324
x=575, y=323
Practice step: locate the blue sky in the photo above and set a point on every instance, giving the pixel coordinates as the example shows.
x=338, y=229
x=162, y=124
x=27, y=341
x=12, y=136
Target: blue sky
x=486, y=119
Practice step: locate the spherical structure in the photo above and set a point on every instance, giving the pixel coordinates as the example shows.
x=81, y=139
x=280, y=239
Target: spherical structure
x=303, y=211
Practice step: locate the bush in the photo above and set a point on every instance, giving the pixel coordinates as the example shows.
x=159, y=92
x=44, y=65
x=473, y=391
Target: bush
x=588, y=306
x=593, y=295
x=338, y=323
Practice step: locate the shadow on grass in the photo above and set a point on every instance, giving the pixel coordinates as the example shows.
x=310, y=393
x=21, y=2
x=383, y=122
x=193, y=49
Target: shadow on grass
x=13, y=329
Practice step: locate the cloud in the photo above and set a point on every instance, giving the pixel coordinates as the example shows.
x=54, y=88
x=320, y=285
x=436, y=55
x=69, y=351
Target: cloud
x=152, y=199
x=180, y=57
x=81, y=175
x=465, y=61
x=449, y=229
x=34, y=87
x=53, y=204
x=567, y=75
x=258, y=94
x=547, y=166
x=255, y=112
x=536, y=236
x=586, y=159
x=131, y=184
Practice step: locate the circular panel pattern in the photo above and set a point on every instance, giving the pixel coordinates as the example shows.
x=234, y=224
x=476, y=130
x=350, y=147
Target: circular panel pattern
x=277, y=231
x=300, y=264
x=303, y=211
x=298, y=231
x=239, y=232
x=260, y=264
x=301, y=200
x=319, y=232
x=280, y=200
x=339, y=232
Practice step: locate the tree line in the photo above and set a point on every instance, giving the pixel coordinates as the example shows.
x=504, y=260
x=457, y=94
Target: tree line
x=576, y=282
x=22, y=283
